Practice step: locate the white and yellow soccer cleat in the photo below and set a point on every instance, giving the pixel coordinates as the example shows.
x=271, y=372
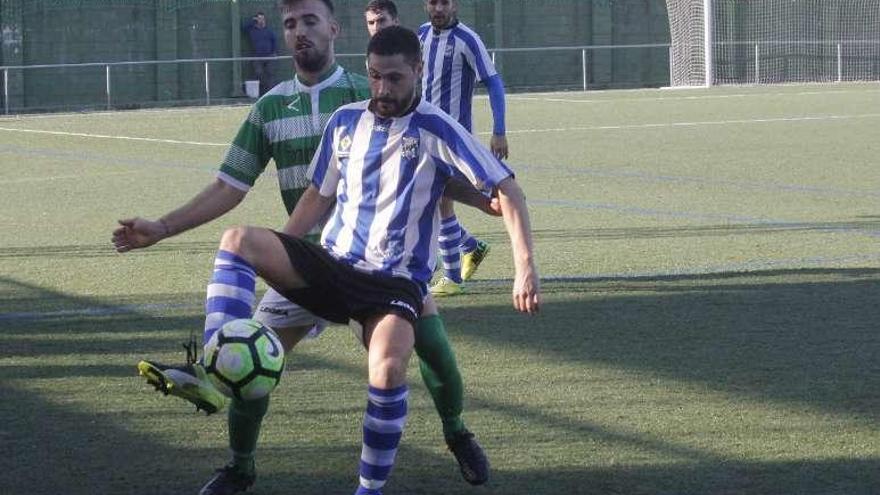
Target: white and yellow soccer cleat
x=189, y=382
x=446, y=287
x=471, y=261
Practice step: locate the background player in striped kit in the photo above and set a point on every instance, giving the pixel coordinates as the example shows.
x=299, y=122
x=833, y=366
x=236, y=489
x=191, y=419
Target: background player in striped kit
x=286, y=126
x=380, y=14
x=455, y=58
x=383, y=163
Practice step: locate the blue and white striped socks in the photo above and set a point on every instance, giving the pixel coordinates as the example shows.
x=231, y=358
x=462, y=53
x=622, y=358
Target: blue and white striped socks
x=467, y=242
x=230, y=293
x=450, y=253
x=383, y=427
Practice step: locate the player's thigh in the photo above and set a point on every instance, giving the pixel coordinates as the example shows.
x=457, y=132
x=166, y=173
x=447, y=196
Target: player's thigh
x=266, y=253
x=391, y=344
x=390, y=336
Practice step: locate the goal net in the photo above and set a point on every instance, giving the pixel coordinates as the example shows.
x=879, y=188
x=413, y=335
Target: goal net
x=773, y=41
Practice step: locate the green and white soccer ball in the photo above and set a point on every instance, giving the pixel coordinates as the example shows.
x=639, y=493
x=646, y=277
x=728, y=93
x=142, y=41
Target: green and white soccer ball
x=244, y=359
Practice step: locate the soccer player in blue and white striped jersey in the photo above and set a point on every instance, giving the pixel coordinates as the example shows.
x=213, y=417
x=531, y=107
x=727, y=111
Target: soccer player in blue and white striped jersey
x=437, y=362
x=455, y=59
x=384, y=165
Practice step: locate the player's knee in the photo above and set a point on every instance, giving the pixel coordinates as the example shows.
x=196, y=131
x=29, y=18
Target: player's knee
x=240, y=240
x=233, y=239
x=388, y=372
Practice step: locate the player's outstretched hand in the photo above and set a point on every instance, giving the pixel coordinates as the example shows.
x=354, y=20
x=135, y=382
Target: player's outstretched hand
x=498, y=145
x=493, y=207
x=526, y=291
x=136, y=233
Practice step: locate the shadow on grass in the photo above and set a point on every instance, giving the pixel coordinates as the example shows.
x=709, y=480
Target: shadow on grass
x=810, y=343
x=831, y=477
x=867, y=226
x=806, y=337
x=104, y=250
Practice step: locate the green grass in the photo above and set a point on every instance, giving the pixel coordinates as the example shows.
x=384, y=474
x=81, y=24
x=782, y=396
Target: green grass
x=710, y=325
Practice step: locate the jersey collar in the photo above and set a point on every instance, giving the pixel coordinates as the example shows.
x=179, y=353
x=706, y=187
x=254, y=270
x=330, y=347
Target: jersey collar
x=330, y=76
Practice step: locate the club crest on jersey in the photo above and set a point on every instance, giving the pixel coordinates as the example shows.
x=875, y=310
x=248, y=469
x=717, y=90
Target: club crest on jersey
x=410, y=147
x=448, y=51
x=344, y=146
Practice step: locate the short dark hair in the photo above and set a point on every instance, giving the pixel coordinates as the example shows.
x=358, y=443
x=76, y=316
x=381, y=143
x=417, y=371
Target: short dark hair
x=396, y=40
x=377, y=6
x=290, y=3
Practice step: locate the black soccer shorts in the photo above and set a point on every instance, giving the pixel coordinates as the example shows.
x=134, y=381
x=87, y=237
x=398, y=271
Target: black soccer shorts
x=339, y=293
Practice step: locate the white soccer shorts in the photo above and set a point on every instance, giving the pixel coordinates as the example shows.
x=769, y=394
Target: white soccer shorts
x=275, y=311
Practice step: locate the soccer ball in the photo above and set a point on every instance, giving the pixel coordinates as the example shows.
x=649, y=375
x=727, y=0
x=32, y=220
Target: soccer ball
x=244, y=359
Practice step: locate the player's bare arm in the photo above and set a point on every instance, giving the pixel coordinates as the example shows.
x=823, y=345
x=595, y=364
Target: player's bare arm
x=462, y=191
x=526, y=289
x=308, y=212
x=212, y=202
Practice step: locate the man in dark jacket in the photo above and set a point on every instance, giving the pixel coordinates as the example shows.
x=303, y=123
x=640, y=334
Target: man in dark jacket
x=263, y=44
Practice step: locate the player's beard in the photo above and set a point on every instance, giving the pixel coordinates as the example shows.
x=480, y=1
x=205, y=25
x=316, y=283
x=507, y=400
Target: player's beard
x=388, y=107
x=440, y=22
x=310, y=59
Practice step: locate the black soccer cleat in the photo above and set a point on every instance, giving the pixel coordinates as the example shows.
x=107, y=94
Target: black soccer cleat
x=228, y=480
x=470, y=456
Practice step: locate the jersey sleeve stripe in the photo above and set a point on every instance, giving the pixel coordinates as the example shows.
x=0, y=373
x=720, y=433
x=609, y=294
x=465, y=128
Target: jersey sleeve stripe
x=232, y=181
x=478, y=53
x=470, y=157
x=242, y=164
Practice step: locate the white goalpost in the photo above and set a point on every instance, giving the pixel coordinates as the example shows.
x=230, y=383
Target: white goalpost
x=690, y=52
x=773, y=41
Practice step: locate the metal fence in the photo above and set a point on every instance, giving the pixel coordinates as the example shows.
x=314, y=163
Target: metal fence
x=104, y=80
x=206, y=81
x=775, y=62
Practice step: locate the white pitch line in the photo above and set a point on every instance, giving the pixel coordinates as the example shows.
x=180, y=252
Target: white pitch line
x=25, y=180
x=534, y=97
x=486, y=133
x=103, y=113
x=105, y=136
x=693, y=124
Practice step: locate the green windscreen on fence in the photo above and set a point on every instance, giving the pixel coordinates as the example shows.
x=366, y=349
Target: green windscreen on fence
x=48, y=32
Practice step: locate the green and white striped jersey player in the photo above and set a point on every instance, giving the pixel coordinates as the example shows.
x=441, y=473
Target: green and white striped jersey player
x=286, y=125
